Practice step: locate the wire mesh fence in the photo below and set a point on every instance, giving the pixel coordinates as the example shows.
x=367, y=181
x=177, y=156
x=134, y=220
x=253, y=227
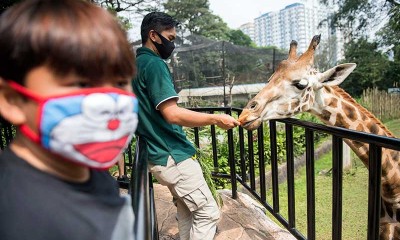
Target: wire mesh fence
x=199, y=62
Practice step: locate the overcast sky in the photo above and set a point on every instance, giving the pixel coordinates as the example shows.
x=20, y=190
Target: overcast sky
x=238, y=12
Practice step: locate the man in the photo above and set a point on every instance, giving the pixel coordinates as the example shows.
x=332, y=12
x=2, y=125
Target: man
x=160, y=125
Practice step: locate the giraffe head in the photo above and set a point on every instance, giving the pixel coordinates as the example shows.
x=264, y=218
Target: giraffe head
x=293, y=88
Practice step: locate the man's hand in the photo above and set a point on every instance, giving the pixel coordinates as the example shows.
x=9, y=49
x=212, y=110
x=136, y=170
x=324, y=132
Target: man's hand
x=226, y=122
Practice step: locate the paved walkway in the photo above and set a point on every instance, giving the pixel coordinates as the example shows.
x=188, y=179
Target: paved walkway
x=241, y=219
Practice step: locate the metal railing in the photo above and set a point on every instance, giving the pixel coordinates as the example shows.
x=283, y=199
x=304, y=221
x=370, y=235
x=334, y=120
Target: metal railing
x=246, y=177
x=243, y=159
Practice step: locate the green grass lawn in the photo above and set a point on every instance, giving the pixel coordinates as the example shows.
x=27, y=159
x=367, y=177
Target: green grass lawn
x=355, y=200
x=394, y=127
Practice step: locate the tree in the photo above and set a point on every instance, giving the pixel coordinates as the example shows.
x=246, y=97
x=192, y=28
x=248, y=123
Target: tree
x=359, y=20
x=237, y=37
x=372, y=66
x=196, y=18
x=356, y=18
x=389, y=33
x=136, y=6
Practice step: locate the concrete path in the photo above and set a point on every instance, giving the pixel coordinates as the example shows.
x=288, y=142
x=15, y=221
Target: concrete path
x=241, y=219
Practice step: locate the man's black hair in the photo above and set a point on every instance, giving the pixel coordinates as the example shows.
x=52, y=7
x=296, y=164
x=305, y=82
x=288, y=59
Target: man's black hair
x=157, y=21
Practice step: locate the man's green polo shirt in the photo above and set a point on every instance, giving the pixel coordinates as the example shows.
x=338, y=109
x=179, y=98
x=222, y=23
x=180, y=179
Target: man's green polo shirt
x=152, y=86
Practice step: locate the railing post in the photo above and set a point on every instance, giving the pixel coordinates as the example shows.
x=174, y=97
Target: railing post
x=242, y=155
x=337, y=182
x=251, y=160
x=374, y=197
x=261, y=161
x=140, y=194
x=274, y=166
x=231, y=156
x=232, y=164
x=290, y=175
x=310, y=184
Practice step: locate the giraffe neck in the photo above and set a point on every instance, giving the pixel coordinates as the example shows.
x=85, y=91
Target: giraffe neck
x=335, y=107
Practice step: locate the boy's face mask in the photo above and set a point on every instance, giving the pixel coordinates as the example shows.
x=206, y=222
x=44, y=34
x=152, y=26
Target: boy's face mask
x=166, y=48
x=90, y=127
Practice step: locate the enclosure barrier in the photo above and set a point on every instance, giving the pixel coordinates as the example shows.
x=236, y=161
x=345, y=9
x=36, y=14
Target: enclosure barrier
x=376, y=143
x=142, y=192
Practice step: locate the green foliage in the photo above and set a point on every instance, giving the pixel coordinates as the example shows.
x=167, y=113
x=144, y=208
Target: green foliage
x=131, y=6
x=196, y=17
x=358, y=20
x=371, y=67
x=237, y=37
x=206, y=151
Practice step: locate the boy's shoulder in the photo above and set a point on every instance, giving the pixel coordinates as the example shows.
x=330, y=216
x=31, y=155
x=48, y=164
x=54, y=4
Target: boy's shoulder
x=20, y=178
x=32, y=200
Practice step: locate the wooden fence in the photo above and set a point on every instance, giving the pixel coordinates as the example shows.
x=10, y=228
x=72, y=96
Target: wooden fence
x=383, y=105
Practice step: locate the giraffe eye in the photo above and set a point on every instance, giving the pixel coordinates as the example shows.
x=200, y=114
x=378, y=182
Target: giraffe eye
x=253, y=105
x=300, y=84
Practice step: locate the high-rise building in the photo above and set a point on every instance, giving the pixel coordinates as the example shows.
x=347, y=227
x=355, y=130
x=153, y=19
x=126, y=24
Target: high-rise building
x=294, y=22
x=248, y=29
x=300, y=22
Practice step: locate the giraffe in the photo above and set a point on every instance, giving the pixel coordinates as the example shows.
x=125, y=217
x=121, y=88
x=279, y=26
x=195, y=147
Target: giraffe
x=296, y=86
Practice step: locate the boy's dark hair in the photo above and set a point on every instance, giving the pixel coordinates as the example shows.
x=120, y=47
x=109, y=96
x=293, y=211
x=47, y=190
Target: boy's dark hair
x=68, y=36
x=157, y=21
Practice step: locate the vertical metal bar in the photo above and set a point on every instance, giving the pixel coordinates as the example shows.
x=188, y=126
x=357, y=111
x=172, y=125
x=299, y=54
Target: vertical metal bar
x=290, y=175
x=374, y=197
x=214, y=147
x=261, y=162
x=337, y=181
x=196, y=137
x=140, y=193
x=153, y=214
x=251, y=160
x=274, y=166
x=310, y=175
x=232, y=163
x=242, y=155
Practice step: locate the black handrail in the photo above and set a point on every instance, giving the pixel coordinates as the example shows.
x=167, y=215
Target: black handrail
x=145, y=225
x=375, y=142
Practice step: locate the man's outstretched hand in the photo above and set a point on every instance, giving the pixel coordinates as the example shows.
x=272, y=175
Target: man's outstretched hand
x=226, y=122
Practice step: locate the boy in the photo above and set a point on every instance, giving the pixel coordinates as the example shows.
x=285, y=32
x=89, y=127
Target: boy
x=160, y=119
x=65, y=69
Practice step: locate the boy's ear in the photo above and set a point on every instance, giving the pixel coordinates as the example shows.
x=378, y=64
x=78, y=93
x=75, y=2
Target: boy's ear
x=10, y=104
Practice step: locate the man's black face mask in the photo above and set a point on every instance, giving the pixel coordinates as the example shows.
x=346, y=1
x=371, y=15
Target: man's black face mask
x=165, y=48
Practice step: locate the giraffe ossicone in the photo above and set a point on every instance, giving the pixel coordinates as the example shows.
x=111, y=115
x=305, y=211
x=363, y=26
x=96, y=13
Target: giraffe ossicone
x=296, y=86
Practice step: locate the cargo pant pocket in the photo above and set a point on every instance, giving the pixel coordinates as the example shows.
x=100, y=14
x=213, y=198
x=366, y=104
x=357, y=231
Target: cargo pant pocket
x=196, y=199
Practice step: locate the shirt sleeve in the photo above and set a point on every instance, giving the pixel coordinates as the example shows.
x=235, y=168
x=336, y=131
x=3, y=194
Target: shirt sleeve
x=159, y=83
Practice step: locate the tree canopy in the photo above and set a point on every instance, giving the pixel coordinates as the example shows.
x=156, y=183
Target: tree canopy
x=371, y=29
x=196, y=18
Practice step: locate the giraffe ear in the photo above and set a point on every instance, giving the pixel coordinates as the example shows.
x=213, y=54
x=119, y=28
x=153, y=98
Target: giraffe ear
x=336, y=75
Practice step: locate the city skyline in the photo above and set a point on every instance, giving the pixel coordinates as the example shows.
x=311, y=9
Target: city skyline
x=240, y=13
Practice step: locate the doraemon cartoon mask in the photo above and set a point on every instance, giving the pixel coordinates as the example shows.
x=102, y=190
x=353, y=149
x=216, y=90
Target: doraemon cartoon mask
x=90, y=127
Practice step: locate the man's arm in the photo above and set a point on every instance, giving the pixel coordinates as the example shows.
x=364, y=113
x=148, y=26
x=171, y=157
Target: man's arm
x=174, y=114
